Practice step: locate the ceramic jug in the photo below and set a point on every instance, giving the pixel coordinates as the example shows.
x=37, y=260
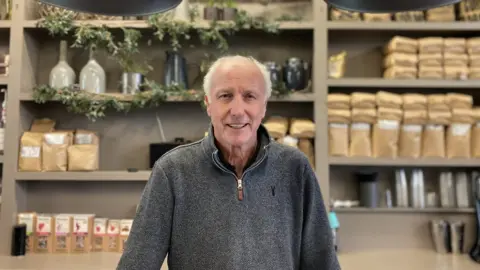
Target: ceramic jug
x=62, y=75
x=92, y=76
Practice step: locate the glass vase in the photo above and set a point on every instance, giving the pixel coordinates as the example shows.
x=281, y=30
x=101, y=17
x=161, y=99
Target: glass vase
x=62, y=74
x=92, y=76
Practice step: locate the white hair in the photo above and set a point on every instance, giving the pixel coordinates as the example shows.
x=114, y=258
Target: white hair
x=207, y=80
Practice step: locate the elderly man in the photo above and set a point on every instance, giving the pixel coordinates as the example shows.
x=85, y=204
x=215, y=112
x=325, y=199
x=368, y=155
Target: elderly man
x=236, y=199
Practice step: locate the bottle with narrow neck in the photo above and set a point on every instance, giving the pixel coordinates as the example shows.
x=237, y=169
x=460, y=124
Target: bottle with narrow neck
x=92, y=76
x=62, y=74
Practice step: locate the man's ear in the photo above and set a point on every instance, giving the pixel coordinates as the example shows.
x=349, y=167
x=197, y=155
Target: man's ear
x=207, y=104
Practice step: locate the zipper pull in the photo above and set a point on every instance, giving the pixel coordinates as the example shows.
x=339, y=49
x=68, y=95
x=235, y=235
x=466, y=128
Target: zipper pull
x=240, y=189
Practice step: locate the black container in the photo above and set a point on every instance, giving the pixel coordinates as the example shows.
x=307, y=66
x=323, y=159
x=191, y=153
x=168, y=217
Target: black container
x=368, y=188
x=19, y=240
x=159, y=149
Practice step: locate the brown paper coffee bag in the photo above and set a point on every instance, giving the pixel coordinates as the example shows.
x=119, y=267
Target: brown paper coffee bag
x=302, y=128
x=361, y=132
x=360, y=140
x=412, y=101
x=437, y=102
x=459, y=134
x=430, y=45
x=476, y=133
x=455, y=60
x=456, y=73
x=63, y=233
x=363, y=100
x=83, y=157
x=433, y=144
x=306, y=146
x=113, y=236
x=339, y=116
x=338, y=101
x=386, y=133
x=458, y=100
x=85, y=137
x=30, y=158
x=430, y=60
x=388, y=100
x=338, y=139
x=277, y=126
x=430, y=72
x=43, y=125
x=364, y=115
x=54, y=151
x=400, y=59
x=410, y=145
x=30, y=220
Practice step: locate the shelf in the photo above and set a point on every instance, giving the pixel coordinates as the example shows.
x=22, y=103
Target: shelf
x=404, y=162
x=297, y=97
x=3, y=80
x=404, y=26
x=83, y=176
x=141, y=24
x=5, y=24
x=404, y=210
x=400, y=83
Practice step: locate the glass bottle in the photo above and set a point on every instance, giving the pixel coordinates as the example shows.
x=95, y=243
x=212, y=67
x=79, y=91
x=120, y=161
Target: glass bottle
x=92, y=76
x=62, y=75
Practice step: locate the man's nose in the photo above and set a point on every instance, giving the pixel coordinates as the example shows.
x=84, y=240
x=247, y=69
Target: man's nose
x=237, y=106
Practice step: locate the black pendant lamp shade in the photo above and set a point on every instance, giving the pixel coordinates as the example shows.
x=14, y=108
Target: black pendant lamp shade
x=388, y=6
x=116, y=7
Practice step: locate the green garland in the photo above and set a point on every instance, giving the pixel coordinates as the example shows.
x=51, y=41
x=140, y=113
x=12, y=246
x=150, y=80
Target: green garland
x=95, y=106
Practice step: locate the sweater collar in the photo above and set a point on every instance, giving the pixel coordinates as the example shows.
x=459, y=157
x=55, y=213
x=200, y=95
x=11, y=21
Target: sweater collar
x=211, y=149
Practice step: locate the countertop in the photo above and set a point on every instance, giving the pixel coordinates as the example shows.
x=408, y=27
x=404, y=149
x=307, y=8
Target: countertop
x=371, y=260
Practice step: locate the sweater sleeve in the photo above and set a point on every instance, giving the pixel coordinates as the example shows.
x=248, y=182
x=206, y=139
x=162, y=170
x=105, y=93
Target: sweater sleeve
x=318, y=251
x=149, y=238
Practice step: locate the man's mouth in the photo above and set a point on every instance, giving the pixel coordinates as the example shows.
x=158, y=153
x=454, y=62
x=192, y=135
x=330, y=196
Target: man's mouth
x=237, y=126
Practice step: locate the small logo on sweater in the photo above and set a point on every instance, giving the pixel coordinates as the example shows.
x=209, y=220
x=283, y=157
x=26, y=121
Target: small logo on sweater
x=273, y=190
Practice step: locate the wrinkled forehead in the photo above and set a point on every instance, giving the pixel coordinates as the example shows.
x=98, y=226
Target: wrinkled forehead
x=240, y=75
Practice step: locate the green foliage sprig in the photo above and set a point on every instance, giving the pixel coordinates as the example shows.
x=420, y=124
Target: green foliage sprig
x=95, y=106
x=58, y=23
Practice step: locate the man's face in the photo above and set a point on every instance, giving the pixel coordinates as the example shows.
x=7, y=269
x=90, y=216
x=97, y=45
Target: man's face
x=237, y=106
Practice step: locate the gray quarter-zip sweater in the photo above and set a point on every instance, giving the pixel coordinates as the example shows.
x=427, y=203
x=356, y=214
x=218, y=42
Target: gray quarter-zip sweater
x=195, y=210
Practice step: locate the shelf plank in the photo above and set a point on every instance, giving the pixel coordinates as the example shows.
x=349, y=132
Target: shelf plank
x=297, y=97
x=141, y=24
x=3, y=80
x=5, y=24
x=404, y=26
x=401, y=83
x=404, y=162
x=404, y=210
x=84, y=176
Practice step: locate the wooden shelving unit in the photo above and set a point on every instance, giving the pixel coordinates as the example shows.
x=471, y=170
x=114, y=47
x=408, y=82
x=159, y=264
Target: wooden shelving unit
x=124, y=138
x=99, y=176
x=404, y=26
x=428, y=85
x=363, y=42
x=406, y=210
x=113, y=191
x=404, y=162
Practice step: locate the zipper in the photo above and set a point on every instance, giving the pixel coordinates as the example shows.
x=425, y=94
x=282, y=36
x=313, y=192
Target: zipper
x=240, y=188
